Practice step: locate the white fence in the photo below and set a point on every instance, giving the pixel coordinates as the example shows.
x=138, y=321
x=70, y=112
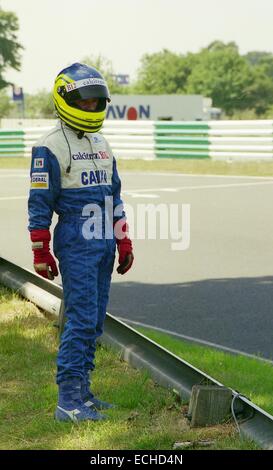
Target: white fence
x=159, y=139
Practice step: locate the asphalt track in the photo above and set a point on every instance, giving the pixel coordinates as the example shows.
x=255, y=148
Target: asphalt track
x=219, y=290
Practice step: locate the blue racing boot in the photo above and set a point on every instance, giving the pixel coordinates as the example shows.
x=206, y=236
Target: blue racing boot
x=70, y=405
x=90, y=401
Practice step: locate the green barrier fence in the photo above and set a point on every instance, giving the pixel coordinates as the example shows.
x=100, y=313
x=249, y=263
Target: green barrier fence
x=166, y=139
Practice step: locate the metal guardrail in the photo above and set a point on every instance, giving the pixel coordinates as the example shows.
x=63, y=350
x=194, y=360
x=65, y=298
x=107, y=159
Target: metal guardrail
x=130, y=139
x=251, y=139
x=227, y=139
x=165, y=368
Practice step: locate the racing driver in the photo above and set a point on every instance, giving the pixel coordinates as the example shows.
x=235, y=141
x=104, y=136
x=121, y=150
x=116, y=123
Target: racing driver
x=74, y=174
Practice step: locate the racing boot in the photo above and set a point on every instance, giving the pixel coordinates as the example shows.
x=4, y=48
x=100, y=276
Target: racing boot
x=70, y=405
x=89, y=400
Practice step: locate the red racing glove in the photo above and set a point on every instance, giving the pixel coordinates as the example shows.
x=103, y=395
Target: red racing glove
x=44, y=263
x=125, y=247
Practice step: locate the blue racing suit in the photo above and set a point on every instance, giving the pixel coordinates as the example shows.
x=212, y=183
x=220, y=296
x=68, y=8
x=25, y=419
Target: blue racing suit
x=67, y=174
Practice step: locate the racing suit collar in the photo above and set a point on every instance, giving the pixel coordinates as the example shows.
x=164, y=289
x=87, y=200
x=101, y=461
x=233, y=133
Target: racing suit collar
x=68, y=128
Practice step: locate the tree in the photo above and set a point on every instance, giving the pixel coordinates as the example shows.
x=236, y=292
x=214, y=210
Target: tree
x=261, y=63
x=10, y=48
x=105, y=67
x=40, y=105
x=163, y=73
x=222, y=74
x=217, y=45
x=258, y=57
x=260, y=92
x=234, y=82
x=6, y=106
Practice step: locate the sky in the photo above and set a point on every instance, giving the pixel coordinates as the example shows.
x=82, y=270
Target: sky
x=56, y=33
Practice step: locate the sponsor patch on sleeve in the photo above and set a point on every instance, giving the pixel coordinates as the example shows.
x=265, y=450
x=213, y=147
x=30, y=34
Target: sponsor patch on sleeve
x=38, y=163
x=39, y=181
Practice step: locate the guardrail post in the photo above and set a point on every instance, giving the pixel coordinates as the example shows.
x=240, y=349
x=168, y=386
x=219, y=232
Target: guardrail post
x=209, y=404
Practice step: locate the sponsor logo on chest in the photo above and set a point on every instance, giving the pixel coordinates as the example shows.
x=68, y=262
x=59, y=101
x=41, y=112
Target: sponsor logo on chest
x=100, y=155
x=94, y=177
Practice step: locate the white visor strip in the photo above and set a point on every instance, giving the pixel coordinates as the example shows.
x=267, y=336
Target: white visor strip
x=85, y=82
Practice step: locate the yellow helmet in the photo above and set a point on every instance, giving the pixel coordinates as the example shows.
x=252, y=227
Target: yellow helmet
x=80, y=82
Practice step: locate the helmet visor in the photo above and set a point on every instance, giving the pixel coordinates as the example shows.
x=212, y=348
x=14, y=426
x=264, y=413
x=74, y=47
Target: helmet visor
x=84, y=89
x=97, y=107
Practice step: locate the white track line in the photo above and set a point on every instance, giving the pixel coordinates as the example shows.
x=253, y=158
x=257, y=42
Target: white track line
x=190, y=175
x=15, y=175
x=196, y=340
x=143, y=195
x=152, y=173
x=12, y=198
x=208, y=186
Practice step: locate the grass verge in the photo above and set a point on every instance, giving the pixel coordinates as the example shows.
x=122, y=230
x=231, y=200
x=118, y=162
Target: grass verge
x=14, y=163
x=192, y=166
x=147, y=416
x=251, y=377
x=202, y=167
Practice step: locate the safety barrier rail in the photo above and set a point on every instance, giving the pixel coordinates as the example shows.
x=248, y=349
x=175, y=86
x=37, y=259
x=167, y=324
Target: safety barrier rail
x=18, y=142
x=165, y=139
x=130, y=139
x=214, y=139
x=165, y=368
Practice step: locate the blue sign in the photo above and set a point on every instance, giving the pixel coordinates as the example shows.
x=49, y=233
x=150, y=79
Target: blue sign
x=121, y=79
x=17, y=93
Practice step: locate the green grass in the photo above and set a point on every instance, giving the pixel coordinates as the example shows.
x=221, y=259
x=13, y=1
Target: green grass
x=14, y=162
x=192, y=166
x=147, y=416
x=251, y=377
x=203, y=167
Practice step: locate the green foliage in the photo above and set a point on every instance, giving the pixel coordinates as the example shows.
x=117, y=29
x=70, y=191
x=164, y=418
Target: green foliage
x=241, y=85
x=260, y=91
x=255, y=382
x=9, y=46
x=173, y=165
x=6, y=105
x=235, y=83
x=105, y=67
x=163, y=73
x=40, y=105
x=146, y=416
x=244, y=114
x=225, y=76
x=220, y=46
x=258, y=57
